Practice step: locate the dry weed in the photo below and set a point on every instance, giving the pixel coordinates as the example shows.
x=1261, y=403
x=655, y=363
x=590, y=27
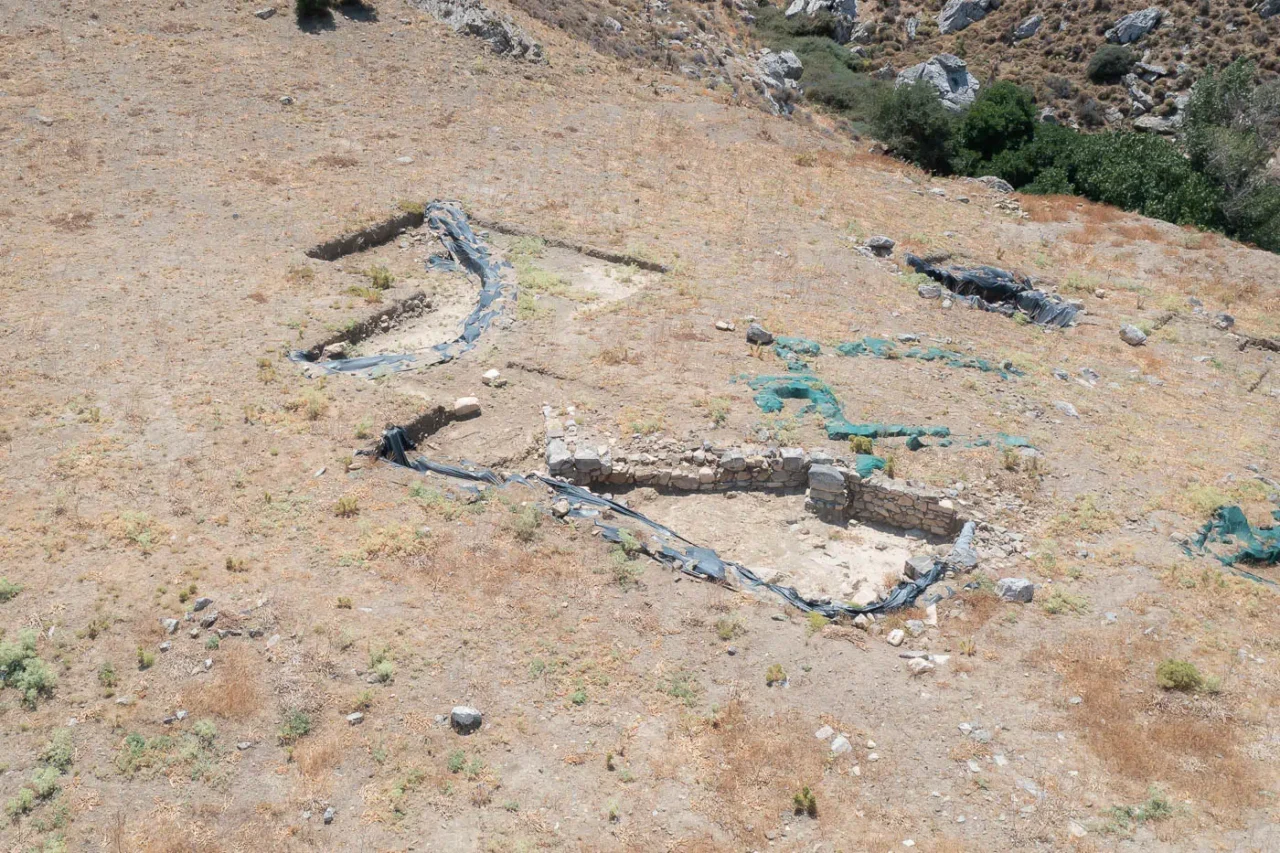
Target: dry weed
x=234, y=693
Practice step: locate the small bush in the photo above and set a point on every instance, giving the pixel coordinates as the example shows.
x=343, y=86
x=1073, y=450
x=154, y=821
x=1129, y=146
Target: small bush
x=146, y=659
x=21, y=669
x=1178, y=675
x=205, y=731
x=59, y=751
x=861, y=444
x=1109, y=63
x=457, y=761
x=775, y=674
x=380, y=278
x=805, y=803
x=526, y=523
x=296, y=725
x=8, y=590
x=107, y=675
x=344, y=602
x=347, y=506
x=578, y=697
x=385, y=671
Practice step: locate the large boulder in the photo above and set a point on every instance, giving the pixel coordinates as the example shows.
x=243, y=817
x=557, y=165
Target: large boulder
x=1028, y=27
x=779, y=67
x=958, y=14
x=845, y=12
x=1135, y=25
x=949, y=74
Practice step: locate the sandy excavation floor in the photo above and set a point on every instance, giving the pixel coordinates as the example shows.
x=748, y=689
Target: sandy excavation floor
x=158, y=448
x=774, y=537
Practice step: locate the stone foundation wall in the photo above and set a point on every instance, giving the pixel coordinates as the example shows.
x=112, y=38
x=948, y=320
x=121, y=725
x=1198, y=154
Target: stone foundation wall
x=835, y=491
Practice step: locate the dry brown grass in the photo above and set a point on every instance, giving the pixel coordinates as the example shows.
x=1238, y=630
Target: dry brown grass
x=317, y=756
x=1147, y=743
x=234, y=694
x=1139, y=231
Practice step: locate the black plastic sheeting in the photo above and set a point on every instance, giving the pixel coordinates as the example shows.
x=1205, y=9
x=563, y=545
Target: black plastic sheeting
x=467, y=252
x=994, y=289
x=676, y=552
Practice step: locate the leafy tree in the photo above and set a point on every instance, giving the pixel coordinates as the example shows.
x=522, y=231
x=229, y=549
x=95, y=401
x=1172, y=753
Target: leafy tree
x=1109, y=63
x=912, y=122
x=1003, y=116
x=1230, y=129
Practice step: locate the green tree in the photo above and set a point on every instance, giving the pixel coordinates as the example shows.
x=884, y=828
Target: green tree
x=912, y=122
x=1231, y=127
x=1109, y=63
x=1002, y=117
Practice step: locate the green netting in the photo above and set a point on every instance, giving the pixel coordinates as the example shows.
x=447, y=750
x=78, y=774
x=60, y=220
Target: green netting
x=773, y=390
x=1229, y=526
x=801, y=346
x=865, y=464
x=880, y=348
x=790, y=350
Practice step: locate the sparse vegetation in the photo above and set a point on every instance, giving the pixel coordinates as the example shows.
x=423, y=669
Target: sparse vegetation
x=347, y=506
x=775, y=674
x=296, y=725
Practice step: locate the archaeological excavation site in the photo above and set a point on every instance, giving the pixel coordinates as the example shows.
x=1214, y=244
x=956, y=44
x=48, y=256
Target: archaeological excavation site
x=505, y=425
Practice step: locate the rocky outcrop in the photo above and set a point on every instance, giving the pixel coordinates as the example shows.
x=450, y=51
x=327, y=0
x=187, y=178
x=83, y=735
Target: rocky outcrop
x=1135, y=25
x=844, y=12
x=949, y=75
x=1028, y=27
x=473, y=18
x=958, y=14
x=776, y=68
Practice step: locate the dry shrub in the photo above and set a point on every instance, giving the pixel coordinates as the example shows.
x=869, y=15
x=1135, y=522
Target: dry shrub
x=234, y=694
x=1147, y=743
x=1139, y=231
x=1050, y=208
x=757, y=763
x=1231, y=291
x=1091, y=234
x=316, y=756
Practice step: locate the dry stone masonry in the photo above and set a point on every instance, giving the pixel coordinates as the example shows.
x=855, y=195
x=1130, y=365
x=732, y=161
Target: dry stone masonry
x=836, y=493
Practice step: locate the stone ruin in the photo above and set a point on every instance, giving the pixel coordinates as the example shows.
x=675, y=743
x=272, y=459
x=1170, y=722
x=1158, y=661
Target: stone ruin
x=836, y=492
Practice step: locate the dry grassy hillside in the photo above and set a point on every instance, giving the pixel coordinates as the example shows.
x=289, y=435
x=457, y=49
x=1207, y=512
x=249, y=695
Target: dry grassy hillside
x=165, y=169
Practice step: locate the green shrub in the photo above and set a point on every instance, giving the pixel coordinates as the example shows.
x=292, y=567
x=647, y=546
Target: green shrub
x=8, y=590
x=1109, y=63
x=22, y=670
x=296, y=725
x=775, y=674
x=914, y=125
x=1178, y=675
x=146, y=659
x=804, y=802
x=59, y=751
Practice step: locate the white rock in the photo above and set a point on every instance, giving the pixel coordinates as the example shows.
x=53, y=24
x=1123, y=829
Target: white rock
x=841, y=745
x=824, y=733
x=919, y=666
x=896, y=637
x=465, y=407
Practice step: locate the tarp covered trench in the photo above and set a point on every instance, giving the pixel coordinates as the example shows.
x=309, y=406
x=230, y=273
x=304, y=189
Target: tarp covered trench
x=466, y=251
x=1001, y=291
x=666, y=546
x=1229, y=526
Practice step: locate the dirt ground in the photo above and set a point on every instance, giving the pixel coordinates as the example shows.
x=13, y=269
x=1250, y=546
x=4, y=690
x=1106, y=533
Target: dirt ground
x=157, y=447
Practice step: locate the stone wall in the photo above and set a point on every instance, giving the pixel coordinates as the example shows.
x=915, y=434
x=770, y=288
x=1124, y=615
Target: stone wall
x=835, y=491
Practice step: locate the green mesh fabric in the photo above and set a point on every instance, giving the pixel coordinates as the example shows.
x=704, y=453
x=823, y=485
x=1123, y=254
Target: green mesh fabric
x=880, y=348
x=1229, y=526
x=771, y=391
x=790, y=351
